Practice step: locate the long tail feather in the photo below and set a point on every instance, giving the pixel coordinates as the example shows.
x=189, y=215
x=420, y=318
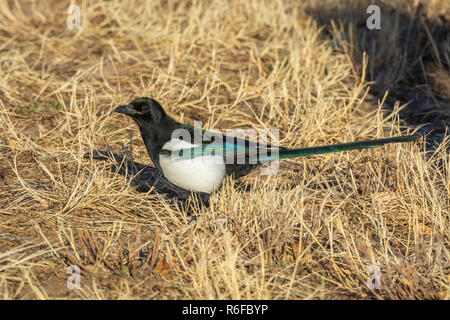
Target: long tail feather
x=290, y=153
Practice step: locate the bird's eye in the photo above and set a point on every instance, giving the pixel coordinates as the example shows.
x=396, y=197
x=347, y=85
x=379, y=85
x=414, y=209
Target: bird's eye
x=142, y=107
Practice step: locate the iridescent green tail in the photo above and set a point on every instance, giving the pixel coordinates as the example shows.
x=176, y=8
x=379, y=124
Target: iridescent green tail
x=301, y=152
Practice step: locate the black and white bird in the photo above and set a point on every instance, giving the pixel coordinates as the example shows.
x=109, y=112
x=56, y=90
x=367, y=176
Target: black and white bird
x=197, y=160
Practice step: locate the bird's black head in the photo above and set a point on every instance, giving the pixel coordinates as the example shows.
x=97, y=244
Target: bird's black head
x=143, y=110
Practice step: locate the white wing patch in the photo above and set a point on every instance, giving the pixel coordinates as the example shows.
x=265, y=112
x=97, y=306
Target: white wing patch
x=201, y=174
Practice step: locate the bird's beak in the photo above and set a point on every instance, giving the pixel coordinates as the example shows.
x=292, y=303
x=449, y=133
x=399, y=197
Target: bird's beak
x=126, y=109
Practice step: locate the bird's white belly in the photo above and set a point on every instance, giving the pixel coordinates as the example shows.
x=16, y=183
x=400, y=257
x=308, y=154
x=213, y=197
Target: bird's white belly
x=200, y=174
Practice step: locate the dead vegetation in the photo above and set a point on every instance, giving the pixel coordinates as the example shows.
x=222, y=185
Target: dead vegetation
x=309, y=232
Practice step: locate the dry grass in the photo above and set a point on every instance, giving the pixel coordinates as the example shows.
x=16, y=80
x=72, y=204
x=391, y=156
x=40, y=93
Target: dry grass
x=309, y=232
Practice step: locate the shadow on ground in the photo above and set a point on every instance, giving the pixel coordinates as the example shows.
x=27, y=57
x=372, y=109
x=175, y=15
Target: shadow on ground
x=144, y=178
x=409, y=57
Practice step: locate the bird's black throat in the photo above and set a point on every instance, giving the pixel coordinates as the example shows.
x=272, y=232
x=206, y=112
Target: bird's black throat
x=156, y=135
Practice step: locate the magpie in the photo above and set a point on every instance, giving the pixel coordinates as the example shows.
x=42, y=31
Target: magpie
x=198, y=160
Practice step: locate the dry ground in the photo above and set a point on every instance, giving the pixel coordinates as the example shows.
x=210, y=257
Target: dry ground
x=309, y=232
